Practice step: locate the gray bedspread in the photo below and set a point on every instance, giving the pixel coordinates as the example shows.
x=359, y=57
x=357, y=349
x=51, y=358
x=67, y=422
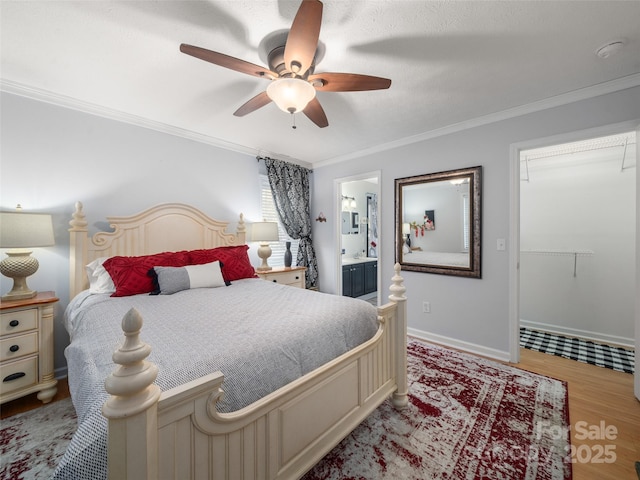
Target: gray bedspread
x=261, y=335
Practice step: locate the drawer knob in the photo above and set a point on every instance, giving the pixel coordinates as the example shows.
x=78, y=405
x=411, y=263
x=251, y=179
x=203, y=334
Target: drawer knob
x=14, y=348
x=297, y=278
x=14, y=323
x=13, y=376
x=275, y=281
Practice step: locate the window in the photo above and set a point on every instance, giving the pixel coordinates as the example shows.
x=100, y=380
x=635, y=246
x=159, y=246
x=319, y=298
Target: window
x=269, y=214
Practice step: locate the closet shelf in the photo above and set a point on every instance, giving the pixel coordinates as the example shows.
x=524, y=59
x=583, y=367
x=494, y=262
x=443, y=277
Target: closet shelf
x=560, y=253
x=582, y=253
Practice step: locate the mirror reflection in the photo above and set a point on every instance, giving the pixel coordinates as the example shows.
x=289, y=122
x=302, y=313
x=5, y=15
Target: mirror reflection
x=438, y=222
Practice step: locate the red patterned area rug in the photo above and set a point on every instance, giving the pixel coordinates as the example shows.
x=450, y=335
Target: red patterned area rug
x=32, y=443
x=468, y=418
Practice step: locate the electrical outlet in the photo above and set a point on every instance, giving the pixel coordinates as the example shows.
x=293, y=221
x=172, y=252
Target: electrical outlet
x=426, y=307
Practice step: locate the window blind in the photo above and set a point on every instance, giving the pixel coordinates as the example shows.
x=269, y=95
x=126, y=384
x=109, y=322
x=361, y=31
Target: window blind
x=270, y=214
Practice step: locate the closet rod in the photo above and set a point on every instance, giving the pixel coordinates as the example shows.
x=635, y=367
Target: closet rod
x=575, y=254
x=559, y=152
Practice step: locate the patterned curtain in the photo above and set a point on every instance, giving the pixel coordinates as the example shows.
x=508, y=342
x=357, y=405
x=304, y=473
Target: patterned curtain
x=290, y=187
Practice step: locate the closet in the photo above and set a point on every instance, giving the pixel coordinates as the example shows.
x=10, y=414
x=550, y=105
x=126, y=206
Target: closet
x=577, y=239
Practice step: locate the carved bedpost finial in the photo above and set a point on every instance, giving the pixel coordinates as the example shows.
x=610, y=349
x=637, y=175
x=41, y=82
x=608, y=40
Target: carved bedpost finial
x=78, y=222
x=397, y=287
x=241, y=227
x=131, y=384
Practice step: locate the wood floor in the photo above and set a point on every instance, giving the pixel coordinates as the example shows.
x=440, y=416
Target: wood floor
x=600, y=400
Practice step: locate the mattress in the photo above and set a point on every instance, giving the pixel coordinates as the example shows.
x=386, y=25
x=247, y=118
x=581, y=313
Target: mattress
x=447, y=259
x=261, y=335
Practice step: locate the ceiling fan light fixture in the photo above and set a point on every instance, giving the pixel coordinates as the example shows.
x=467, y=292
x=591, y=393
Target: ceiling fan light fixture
x=291, y=95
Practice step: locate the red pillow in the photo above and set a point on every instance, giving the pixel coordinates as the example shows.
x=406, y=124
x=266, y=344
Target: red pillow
x=235, y=260
x=130, y=274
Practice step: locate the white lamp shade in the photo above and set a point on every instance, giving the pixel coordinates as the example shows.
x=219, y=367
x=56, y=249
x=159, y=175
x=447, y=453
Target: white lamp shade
x=291, y=95
x=25, y=230
x=264, y=232
x=406, y=229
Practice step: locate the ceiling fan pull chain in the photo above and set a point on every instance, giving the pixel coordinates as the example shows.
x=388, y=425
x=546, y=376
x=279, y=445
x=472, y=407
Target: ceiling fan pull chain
x=293, y=120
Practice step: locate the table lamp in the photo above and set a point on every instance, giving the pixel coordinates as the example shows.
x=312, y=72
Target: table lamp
x=21, y=232
x=264, y=232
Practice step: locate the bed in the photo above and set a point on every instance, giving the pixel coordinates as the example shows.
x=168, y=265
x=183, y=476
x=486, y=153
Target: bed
x=448, y=259
x=227, y=387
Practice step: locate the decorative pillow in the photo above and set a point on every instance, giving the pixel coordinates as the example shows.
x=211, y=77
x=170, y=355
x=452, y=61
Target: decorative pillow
x=235, y=260
x=129, y=274
x=99, y=279
x=175, y=279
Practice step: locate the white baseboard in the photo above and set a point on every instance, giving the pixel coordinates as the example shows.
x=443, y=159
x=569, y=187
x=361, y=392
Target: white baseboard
x=500, y=355
x=584, y=334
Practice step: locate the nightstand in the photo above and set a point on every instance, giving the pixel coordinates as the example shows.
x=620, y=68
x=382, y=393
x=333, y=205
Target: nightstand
x=26, y=348
x=293, y=276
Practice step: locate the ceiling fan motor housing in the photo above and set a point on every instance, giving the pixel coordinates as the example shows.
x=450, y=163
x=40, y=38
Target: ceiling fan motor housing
x=277, y=64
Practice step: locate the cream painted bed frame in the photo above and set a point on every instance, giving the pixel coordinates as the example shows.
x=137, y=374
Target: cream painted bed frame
x=178, y=434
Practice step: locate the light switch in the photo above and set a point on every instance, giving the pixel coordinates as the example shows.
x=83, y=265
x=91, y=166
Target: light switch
x=501, y=244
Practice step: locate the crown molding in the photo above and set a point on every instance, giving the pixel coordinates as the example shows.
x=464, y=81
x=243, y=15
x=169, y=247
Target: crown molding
x=622, y=83
x=16, y=88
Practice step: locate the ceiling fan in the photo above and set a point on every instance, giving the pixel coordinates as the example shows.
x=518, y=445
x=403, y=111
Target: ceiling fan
x=291, y=70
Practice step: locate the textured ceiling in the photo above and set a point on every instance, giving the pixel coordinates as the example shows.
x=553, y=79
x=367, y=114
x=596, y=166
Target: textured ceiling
x=449, y=62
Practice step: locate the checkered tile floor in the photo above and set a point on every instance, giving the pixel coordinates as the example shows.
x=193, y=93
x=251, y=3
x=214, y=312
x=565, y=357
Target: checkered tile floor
x=583, y=351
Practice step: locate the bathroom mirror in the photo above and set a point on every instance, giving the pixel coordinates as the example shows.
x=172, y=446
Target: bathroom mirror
x=346, y=223
x=350, y=223
x=438, y=222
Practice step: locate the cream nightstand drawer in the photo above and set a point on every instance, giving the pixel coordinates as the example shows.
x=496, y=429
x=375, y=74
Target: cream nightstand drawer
x=19, y=321
x=26, y=347
x=293, y=276
x=18, y=375
x=18, y=346
x=287, y=278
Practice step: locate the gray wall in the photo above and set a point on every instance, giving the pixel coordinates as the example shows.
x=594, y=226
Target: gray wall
x=471, y=313
x=53, y=157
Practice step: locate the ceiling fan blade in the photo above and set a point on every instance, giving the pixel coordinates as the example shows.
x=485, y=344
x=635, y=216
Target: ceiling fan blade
x=252, y=105
x=302, y=40
x=228, y=62
x=316, y=114
x=347, y=82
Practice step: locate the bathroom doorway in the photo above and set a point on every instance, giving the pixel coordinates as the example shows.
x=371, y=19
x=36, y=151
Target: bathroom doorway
x=359, y=239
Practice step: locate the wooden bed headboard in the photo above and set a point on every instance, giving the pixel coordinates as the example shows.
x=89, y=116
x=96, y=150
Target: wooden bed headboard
x=163, y=228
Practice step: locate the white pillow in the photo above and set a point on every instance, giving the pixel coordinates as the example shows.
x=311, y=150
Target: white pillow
x=175, y=279
x=99, y=279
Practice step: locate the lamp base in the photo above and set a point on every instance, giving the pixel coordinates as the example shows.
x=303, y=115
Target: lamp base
x=264, y=252
x=17, y=295
x=18, y=265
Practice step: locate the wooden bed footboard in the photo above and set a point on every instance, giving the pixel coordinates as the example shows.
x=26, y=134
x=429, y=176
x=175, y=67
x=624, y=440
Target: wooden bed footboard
x=179, y=434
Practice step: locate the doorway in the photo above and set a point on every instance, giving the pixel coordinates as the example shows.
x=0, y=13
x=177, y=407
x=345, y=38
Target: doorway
x=572, y=249
x=577, y=239
x=358, y=212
